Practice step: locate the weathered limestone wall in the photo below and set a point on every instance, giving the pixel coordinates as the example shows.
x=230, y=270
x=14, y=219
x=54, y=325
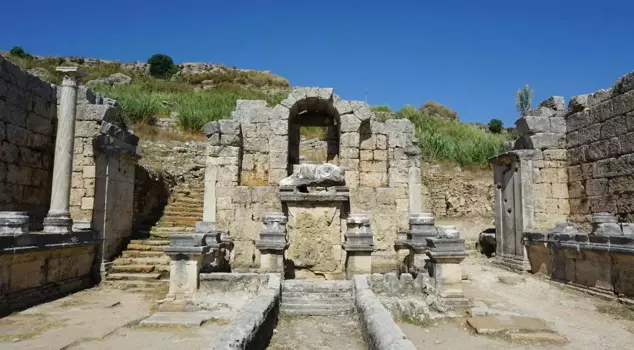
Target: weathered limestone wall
x=601, y=152
x=544, y=130
x=250, y=153
x=42, y=268
x=601, y=263
x=387, y=208
x=27, y=140
x=240, y=211
x=104, y=164
x=450, y=194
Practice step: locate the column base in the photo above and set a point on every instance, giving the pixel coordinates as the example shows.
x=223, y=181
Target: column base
x=58, y=223
x=358, y=263
x=512, y=262
x=272, y=262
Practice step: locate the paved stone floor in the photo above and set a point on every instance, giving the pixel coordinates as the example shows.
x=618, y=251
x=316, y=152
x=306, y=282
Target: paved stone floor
x=573, y=315
x=317, y=333
x=99, y=318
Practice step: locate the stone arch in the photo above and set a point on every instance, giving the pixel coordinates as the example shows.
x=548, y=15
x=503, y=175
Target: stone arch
x=312, y=107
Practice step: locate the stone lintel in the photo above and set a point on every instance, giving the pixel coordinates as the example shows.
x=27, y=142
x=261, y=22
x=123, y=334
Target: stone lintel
x=510, y=156
x=334, y=194
x=111, y=145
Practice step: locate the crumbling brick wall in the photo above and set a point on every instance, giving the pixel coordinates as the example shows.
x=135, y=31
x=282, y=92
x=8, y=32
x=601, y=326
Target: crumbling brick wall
x=27, y=141
x=600, y=143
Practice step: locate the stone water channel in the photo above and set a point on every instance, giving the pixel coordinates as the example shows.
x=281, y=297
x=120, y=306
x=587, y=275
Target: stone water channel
x=317, y=315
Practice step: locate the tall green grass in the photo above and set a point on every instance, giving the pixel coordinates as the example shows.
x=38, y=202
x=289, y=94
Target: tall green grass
x=146, y=98
x=449, y=140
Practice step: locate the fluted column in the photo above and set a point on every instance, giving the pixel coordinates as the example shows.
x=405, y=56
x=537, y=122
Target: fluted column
x=58, y=219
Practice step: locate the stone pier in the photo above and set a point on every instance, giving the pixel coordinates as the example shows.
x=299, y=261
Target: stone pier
x=273, y=242
x=359, y=245
x=58, y=219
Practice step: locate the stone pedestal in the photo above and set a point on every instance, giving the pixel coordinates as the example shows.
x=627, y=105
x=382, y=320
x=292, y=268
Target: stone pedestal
x=13, y=223
x=58, y=219
x=359, y=245
x=421, y=228
x=186, y=252
x=605, y=224
x=445, y=255
x=272, y=243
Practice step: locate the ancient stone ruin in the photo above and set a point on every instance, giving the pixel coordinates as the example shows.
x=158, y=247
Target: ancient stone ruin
x=284, y=234
x=277, y=231
x=563, y=195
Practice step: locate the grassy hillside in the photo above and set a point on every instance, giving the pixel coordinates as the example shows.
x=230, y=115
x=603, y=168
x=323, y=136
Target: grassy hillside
x=441, y=139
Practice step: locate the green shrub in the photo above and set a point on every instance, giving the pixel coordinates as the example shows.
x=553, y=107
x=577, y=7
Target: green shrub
x=18, y=51
x=449, y=140
x=496, y=126
x=162, y=66
x=524, y=100
x=433, y=108
x=380, y=108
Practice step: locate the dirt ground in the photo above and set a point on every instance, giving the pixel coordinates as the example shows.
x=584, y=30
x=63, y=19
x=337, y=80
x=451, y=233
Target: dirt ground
x=574, y=315
x=99, y=318
x=317, y=333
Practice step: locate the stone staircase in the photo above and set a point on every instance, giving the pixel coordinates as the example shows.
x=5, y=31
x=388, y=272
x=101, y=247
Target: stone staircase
x=317, y=298
x=143, y=266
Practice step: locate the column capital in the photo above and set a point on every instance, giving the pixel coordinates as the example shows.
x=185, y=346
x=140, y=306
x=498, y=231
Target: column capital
x=71, y=74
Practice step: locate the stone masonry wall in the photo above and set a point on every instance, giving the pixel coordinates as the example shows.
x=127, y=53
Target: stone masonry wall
x=544, y=130
x=90, y=113
x=601, y=152
x=249, y=154
x=27, y=140
x=104, y=163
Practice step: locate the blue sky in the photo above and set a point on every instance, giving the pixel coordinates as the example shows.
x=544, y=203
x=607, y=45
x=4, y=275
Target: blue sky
x=471, y=56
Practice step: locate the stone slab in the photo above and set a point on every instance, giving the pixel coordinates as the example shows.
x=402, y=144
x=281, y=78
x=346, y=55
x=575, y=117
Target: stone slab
x=538, y=337
x=495, y=324
x=186, y=319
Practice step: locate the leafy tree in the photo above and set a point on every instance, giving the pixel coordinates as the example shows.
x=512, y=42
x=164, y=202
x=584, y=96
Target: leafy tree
x=496, y=126
x=434, y=108
x=18, y=51
x=162, y=66
x=524, y=100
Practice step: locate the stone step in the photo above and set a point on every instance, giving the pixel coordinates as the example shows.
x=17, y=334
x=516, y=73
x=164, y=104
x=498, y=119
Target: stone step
x=189, y=200
x=316, y=299
x=141, y=253
x=314, y=312
x=178, y=223
x=161, y=260
x=155, y=276
x=132, y=268
x=131, y=284
x=316, y=286
x=318, y=306
x=145, y=247
x=318, y=296
x=173, y=229
x=162, y=242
